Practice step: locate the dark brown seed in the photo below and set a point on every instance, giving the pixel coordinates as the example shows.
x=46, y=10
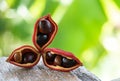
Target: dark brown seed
x=45, y=26
x=42, y=39
x=68, y=62
x=58, y=60
x=28, y=57
x=50, y=56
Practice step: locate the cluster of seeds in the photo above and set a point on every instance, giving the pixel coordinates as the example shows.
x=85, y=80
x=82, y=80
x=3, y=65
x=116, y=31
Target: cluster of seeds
x=44, y=30
x=24, y=57
x=59, y=60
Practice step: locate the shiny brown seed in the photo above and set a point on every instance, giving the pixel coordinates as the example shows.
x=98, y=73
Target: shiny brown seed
x=68, y=62
x=57, y=60
x=28, y=57
x=50, y=56
x=42, y=39
x=18, y=57
x=45, y=26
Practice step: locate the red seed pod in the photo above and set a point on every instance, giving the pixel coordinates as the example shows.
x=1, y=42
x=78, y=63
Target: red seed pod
x=60, y=60
x=25, y=56
x=45, y=30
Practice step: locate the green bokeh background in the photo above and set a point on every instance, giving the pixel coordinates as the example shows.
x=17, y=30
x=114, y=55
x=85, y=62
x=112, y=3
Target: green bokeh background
x=80, y=25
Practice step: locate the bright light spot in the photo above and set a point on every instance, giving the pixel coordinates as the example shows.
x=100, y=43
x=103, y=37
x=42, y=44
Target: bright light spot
x=24, y=12
x=59, y=13
x=116, y=19
x=3, y=5
x=37, y=7
x=111, y=44
x=109, y=68
x=66, y=2
x=113, y=12
x=61, y=10
x=11, y=13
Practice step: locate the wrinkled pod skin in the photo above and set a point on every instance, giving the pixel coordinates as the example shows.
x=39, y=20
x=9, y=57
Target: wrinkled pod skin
x=25, y=56
x=45, y=30
x=60, y=60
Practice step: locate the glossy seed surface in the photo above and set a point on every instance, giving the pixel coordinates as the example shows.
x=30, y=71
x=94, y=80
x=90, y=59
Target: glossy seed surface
x=42, y=39
x=45, y=26
x=58, y=60
x=28, y=57
x=68, y=62
x=18, y=57
x=50, y=56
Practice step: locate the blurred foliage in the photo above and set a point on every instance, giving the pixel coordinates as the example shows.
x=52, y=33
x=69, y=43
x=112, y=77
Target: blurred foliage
x=80, y=23
x=117, y=2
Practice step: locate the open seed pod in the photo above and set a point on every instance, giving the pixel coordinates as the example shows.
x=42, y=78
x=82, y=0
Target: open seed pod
x=45, y=30
x=60, y=60
x=25, y=56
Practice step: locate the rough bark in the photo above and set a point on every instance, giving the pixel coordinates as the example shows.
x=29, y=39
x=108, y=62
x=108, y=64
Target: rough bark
x=9, y=72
